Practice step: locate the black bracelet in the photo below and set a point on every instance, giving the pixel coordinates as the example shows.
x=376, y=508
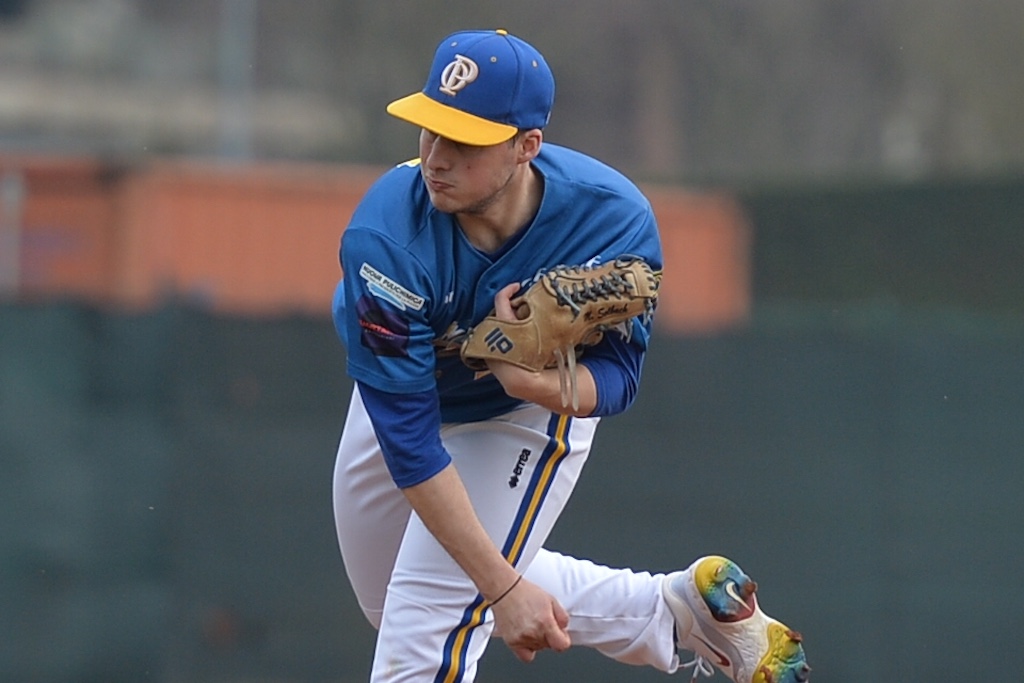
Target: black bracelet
x=507, y=591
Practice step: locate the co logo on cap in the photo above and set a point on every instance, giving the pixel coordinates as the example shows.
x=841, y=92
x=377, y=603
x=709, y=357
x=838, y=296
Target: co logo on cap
x=457, y=75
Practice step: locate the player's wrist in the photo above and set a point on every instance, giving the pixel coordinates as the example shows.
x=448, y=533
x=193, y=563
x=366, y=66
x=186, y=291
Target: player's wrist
x=508, y=590
x=517, y=382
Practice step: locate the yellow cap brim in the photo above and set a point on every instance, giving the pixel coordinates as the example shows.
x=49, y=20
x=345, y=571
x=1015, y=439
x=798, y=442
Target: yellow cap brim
x=449, y=122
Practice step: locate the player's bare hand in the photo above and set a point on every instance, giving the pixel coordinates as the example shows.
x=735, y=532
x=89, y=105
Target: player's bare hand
x=504, y=308
x=529, y=620
x=510, y=376
x=516, y=380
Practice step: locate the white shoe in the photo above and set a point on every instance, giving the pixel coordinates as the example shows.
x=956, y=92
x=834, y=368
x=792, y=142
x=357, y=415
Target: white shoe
x=718, y=619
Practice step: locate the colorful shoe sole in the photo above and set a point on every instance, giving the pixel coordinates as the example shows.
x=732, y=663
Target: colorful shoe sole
x=730, y=630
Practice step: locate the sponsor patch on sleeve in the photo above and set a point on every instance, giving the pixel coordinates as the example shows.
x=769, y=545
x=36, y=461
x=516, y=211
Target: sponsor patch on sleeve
x=383, y=287
x=383, y=332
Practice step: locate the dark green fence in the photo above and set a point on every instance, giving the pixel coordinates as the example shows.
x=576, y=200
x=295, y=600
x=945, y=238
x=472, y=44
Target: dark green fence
x=165, y=510
x=955, y=244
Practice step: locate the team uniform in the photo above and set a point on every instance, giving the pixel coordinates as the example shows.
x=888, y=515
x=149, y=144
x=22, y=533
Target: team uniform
x=416, y=286
x=413, y=287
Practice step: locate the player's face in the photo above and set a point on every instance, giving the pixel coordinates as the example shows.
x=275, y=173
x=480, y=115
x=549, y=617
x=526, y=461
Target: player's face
x=465, y=178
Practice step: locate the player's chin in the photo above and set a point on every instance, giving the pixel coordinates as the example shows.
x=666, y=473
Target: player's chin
x=443, y=198
x=444, y=203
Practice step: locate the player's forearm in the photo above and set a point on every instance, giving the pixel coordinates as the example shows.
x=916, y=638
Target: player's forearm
x=545, y=387
x=444, y=506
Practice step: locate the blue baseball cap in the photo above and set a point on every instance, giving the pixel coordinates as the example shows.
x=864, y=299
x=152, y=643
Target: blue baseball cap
x=484, y=87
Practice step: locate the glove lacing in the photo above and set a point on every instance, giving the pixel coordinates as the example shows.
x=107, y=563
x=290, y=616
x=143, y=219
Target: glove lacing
x=605, y=287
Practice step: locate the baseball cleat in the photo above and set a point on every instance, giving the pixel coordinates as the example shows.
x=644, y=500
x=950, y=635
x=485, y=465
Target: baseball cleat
x=719, y=620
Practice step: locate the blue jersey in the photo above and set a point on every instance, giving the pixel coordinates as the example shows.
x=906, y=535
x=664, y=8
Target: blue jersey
x=416, y=285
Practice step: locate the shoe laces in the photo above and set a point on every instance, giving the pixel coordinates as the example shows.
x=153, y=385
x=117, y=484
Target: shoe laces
x=700, y=666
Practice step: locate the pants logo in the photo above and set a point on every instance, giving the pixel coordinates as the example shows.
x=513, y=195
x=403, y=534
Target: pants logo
x=517, y=471
x=497, y=341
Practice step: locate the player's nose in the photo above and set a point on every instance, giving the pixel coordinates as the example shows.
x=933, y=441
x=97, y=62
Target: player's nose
x=436, y=152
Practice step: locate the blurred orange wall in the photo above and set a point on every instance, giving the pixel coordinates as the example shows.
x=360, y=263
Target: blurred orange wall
x=262, y=239
x=67, y=220
x=706, y=239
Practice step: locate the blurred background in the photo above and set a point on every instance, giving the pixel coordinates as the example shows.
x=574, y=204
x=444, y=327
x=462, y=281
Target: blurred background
x=682, y=91
x=834, y=397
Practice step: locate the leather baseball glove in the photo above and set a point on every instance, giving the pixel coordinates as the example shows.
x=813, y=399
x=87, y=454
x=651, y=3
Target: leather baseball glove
x=565, y=309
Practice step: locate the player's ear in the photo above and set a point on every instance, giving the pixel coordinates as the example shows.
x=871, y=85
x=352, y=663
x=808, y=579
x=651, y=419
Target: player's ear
x=528, y=144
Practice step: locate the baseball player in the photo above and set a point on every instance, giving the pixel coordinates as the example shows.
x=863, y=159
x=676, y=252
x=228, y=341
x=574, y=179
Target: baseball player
x=458, y=456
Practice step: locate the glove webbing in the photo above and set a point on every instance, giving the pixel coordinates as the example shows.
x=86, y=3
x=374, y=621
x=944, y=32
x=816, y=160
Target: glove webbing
x=603, y=287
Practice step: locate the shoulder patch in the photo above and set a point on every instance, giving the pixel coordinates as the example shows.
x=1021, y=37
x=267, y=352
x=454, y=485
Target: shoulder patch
x=383, y=287
x=384, y=333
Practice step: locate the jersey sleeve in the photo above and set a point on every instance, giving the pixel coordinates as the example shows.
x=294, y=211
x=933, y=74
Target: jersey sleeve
x=406, y=426
x=615, y=365
x=384, y=315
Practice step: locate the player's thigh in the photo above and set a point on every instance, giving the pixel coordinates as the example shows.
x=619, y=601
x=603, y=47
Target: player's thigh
x=370, y=513
x=519, y=471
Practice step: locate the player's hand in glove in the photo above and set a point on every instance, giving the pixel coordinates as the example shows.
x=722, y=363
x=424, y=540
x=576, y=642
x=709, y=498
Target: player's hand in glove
x=564, y=310
x=528, y=619
x=544, y=387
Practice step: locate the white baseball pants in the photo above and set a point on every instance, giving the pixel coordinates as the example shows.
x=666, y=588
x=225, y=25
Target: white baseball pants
x=519, y=470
